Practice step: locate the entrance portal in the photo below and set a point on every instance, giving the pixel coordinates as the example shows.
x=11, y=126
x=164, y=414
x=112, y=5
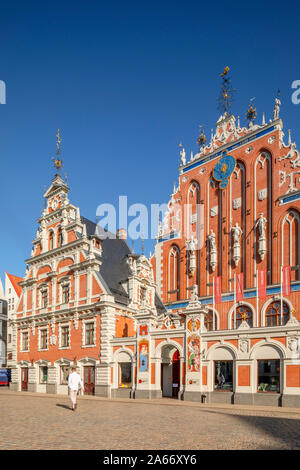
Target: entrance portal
x=24, y=379
x=89, y=380
x=170, y=372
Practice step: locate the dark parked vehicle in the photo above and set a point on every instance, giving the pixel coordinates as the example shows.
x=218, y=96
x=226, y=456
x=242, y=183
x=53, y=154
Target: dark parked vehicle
x=5, y=376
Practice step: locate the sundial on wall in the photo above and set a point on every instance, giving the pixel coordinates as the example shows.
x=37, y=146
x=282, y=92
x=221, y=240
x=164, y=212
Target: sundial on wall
x=223, y=170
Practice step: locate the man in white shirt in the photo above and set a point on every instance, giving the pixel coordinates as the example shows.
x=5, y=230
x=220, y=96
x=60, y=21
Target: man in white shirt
x=73, y=383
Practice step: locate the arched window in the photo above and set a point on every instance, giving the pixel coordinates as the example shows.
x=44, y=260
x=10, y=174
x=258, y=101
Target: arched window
x=243, y=313
x=290, y=242
x=51, y=240
x=210, y=322
x=173, y=284
x=59, y=237
x=273, y=313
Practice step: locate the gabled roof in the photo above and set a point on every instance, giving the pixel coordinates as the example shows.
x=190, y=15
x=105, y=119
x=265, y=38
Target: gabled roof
x=114, y=268
x=15, y=282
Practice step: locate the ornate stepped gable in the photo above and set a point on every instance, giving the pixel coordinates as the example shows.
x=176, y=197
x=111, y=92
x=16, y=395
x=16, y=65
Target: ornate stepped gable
x=69, y=246
x=262, y=189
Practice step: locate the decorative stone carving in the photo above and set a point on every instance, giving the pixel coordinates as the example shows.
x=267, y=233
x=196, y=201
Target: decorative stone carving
x=214, y=211
x=237, y=232
x=262, y=194
x=33, y=327
x=182, y=157
x=271, y=139
x=191, y=246
x=244, y=345
x=292, y=321
x=293, y=343
x=284, y=176
x=276, y=109
x=194, y=300
x=244, y=326
x=262, y=241
x=52, y=323
x=237, y=203
x=75, y=320
x=53, y=340
x=212, y=250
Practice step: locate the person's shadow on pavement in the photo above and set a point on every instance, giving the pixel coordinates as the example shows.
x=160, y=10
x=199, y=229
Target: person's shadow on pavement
x=64, y=406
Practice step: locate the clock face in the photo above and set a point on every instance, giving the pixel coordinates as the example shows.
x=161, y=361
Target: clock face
x=223, y=170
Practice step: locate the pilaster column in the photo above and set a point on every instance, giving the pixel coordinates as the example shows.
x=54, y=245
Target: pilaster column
x=103, y=371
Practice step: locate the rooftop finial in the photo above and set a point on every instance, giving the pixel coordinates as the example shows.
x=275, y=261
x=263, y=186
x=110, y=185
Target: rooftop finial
x=202, y=138
x=58, y=161
x=251, y=113
x=276, y=106
x=226, y=94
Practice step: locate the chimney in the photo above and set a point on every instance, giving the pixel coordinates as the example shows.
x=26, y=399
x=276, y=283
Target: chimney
x=122, y=234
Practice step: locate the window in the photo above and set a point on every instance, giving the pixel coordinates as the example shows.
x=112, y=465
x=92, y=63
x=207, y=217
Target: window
x=268, y=375
x=44, y=298
x=125, y=374
x=209, y=321
x=43, y=375
x=65, y=293
x=64, y=374
x=243, y=313
x=89, y=333
x=224, y=375
x=25, y=342
x=65, y=336
x=51, y=240
x=43, y=339
x=9, y=338
x=273, y=314
x=59, y=237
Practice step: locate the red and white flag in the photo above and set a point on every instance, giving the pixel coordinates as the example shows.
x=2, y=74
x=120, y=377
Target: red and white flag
x=286, y=280
x=217, y=289
x=262, y=283
x=239, y=287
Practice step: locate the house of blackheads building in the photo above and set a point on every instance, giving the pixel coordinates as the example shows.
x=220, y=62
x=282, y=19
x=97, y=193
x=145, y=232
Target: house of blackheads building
x=212, y=316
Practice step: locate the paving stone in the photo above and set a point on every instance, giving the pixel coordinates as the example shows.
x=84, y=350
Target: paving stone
x=36, y=421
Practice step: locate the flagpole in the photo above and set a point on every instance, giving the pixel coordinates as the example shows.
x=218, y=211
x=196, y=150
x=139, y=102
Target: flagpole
x=281, y=285
x=257, y=313
x=234, y=297
x=214, y=303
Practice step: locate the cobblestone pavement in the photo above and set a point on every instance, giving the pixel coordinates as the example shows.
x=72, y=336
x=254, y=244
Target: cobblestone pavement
x=33, y=421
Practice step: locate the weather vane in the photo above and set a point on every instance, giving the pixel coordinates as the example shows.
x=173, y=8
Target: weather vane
x=226, y=94
x=202, y=138
x=251, y=112
x=58, y=161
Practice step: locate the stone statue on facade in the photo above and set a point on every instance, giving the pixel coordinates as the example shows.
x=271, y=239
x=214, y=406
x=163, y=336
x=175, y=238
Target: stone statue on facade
x=212, y=250
x=182, y=157
x=237, y=232
x=191, y=247
x=262, y=241
x=276, y=109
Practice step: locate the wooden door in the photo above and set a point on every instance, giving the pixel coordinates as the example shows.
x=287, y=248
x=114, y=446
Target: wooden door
x=24, y=378
x=89, y=380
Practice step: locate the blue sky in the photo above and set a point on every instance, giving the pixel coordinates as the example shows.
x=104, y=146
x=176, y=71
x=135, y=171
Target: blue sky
x=125, y=82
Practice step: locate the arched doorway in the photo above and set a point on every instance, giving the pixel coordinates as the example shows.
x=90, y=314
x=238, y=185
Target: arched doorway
x=170, y=371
